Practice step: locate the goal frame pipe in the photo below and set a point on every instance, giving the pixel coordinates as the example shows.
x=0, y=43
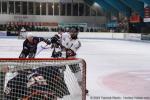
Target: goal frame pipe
x=28, y=59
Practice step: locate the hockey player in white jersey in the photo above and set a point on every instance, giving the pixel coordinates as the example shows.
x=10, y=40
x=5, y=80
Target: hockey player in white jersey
x=67, y=46
x=68, y=43
x=71, y=43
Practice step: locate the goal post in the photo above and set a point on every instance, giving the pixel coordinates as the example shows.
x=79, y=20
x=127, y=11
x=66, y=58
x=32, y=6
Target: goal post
x=43, y=79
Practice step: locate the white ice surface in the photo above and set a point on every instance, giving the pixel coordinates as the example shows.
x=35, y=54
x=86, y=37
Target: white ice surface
x=103, y=57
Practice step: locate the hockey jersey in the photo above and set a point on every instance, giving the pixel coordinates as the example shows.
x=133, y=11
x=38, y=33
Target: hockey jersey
x=70, y=44
x=32, y=46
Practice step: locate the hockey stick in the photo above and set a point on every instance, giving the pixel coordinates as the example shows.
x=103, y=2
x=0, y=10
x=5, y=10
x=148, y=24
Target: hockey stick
x=43, y=48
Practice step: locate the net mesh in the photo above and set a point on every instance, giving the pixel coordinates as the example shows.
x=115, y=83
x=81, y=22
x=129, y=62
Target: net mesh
x=42, y=79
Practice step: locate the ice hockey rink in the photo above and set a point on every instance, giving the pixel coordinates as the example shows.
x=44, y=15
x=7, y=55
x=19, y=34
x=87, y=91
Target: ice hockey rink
x=116, y=69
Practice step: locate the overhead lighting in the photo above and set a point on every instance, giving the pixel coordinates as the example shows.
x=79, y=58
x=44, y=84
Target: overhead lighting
x=95, y=4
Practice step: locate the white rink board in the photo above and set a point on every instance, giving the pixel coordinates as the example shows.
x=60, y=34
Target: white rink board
x=95, y=35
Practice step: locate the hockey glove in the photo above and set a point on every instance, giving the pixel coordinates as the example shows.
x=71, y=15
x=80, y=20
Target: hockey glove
x=55, y=39
x=48, y=42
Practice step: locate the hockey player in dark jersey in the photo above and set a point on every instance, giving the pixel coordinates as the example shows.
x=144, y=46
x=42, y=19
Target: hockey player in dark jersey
x=30, y=46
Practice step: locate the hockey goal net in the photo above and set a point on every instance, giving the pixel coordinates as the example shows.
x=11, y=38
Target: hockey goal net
x=42, y=79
